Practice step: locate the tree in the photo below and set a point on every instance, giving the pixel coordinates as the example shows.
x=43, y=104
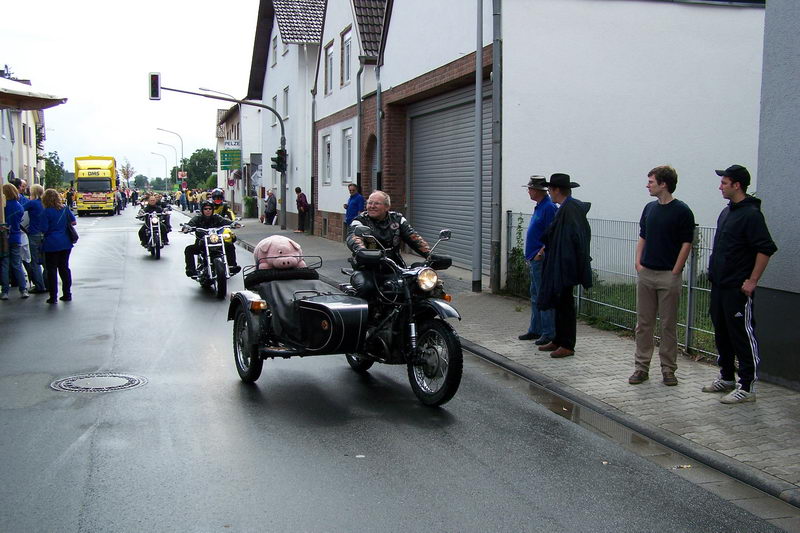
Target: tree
x=140, y=182
x=158, y=184
x=211, y=182
x=127, y=172
x=53, y=171
x=200, y=166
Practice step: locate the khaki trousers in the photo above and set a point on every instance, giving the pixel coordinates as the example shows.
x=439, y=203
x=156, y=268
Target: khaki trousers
x=657, y=293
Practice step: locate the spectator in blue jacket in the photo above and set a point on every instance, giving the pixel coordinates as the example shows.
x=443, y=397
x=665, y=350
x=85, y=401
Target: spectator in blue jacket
x=11, y=263
x=36, y=219
x=57, y=245
x=354, y=205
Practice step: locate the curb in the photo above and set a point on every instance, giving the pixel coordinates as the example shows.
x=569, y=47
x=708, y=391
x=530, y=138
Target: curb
x=747, y=474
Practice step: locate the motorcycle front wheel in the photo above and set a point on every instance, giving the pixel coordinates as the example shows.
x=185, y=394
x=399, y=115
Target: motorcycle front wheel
x=435, y=379
x=358, y=363
x=221, y=283
x=248, y=365
x=158, y=251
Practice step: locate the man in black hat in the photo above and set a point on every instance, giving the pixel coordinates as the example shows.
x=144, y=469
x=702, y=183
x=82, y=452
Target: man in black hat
x=541, y=327
x=741, y=251
x=567, y=263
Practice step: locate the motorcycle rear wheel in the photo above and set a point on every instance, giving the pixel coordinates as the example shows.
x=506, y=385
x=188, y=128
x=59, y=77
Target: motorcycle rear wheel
x=221, y=283
x=358, y=363
x=248, y=365
x=436, y=379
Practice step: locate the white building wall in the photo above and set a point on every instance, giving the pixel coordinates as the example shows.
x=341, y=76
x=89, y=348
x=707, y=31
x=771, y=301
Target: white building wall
x=425, y=35
x=293, y=67
x=605, y=91
x=334, y=194
x=6, y=146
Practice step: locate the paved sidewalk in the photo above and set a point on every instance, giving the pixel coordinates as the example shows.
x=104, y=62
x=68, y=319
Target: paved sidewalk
x=758, y=443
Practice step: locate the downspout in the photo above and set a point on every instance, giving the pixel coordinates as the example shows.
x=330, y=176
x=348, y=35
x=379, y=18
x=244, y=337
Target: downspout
x=377, y=180
x=477, y=205
x=497, y=146
x=358, y=119
x=312, y=215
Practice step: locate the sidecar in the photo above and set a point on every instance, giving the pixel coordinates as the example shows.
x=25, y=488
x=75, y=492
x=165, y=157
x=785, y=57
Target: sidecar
x=288, y=313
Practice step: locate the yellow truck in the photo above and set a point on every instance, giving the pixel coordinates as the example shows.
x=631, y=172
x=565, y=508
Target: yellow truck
x=95, y=183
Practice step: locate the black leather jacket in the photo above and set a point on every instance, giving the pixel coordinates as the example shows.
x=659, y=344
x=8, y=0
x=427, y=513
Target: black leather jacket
x=390, y=232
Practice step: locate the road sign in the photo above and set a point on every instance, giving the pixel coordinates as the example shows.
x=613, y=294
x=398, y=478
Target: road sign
x=230, y=159
x=233, y=144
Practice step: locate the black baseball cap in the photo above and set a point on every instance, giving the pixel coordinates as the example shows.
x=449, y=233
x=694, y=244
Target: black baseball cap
x=736, y=173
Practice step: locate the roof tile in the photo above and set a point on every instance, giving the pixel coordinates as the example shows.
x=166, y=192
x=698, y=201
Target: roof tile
x=300, y=21
x=369, y=14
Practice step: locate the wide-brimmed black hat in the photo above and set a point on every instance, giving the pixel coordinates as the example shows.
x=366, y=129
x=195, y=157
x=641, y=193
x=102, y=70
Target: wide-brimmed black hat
x=562, y=181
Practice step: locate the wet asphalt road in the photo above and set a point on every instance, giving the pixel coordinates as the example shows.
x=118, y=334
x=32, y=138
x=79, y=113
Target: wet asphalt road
x=311, y=447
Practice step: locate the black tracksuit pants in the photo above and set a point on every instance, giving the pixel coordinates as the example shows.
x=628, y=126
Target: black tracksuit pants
x=734, y=333
x=566, y=319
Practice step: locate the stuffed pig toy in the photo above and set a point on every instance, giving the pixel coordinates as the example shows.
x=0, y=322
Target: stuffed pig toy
x=279, y=252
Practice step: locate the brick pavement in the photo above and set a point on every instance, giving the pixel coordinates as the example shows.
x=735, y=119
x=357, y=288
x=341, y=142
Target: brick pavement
x=764, y=435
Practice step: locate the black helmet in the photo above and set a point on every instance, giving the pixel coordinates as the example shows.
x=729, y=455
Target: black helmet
x=218, y=196
x=206, y=203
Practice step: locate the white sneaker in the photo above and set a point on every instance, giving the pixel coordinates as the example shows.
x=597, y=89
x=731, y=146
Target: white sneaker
x=739, y=396
x=24, y=294
x=3, y=296
x=719, y=385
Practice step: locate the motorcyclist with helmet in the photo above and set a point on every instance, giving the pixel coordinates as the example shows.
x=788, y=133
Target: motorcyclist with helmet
x=152, y=206
x=390, y=229
x=208, y=219
x=221, y=207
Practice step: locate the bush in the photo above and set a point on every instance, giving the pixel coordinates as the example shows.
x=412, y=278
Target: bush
x=250, y=207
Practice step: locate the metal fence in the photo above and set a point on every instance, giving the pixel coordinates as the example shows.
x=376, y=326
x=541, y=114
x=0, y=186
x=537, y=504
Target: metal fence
x=612, y=298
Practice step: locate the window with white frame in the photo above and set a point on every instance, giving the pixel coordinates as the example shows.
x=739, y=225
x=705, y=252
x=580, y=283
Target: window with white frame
x=329, y=68
x=275, y=107
x=274, y=50
x=347, y=155
x=285, y=103
x=344, y=76
x=326, y=159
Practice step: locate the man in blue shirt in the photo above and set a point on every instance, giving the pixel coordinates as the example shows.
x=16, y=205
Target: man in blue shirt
x=354, y=205
x=542, y=326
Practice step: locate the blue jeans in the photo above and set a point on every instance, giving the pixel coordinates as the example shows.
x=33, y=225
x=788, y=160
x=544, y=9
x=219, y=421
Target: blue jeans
x=37, y=258
x=542, y=322
x=12, y=263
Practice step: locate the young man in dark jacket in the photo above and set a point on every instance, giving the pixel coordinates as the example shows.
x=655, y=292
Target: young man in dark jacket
x=207, y=219
x=741, y=251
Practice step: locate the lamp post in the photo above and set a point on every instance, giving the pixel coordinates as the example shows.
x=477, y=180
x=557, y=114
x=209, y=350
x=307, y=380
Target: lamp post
x=176, y=160
x=181, y=139
x=241, y=133
x=165, y=162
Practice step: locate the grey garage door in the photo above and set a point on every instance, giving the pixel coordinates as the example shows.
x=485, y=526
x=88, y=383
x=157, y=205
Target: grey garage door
x=442, y=171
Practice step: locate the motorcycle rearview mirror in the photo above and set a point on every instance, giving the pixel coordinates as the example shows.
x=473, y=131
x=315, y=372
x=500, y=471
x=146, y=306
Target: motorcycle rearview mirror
x=362, y=231
x=444, y=235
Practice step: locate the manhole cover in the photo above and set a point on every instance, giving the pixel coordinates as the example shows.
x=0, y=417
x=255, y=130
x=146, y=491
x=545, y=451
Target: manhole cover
x=100, y=382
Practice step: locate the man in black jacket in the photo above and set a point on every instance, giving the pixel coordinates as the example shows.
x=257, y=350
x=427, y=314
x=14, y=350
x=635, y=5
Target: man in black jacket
x=567, y=263
x=741, y=251
x=207, y=219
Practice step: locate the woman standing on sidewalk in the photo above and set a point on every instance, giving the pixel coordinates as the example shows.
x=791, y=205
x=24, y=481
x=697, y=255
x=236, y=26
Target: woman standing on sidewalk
x=12, y=263
x=35, y=211
x=57, y=245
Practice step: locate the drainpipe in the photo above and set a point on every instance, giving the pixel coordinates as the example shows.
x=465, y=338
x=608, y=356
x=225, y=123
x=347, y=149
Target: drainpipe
x=497, y=145
x=477, y=206
x=358, y=118
x=377, y=180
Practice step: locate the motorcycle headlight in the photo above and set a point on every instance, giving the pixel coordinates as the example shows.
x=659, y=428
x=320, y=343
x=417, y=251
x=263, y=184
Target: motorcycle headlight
x=427, y=279
x=154, y=220
x=213, y=238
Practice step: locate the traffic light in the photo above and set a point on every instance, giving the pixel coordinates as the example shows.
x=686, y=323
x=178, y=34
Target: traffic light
x=155, y=86
x=279, y=161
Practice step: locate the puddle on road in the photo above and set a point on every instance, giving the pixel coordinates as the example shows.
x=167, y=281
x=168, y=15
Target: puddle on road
x=751, y=499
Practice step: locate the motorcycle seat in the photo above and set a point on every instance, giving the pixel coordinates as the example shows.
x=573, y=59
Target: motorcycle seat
x=253, y=278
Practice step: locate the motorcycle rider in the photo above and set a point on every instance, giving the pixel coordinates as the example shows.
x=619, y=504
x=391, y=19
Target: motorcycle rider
x=389, y=228
x=208, y=219
x=152, y=206
x=221, y=207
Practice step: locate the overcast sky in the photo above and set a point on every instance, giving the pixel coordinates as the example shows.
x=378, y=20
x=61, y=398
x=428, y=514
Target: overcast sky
x=98, y=55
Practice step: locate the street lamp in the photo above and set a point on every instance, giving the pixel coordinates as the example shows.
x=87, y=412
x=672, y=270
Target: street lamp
x=165, y=162
x=176, y=160
x=179, y=137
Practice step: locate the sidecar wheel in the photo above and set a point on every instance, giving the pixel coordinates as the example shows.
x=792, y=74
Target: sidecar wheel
x=435, y=380
x=248, y=364
x=358, y=363
x=221, y=290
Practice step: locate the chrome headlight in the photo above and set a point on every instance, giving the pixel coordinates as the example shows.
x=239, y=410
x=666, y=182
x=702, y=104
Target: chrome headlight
x=213, y=238
x=427, y=279
x=154, y=220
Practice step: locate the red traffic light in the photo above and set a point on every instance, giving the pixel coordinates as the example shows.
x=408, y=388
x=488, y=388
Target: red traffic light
x=155, y=86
